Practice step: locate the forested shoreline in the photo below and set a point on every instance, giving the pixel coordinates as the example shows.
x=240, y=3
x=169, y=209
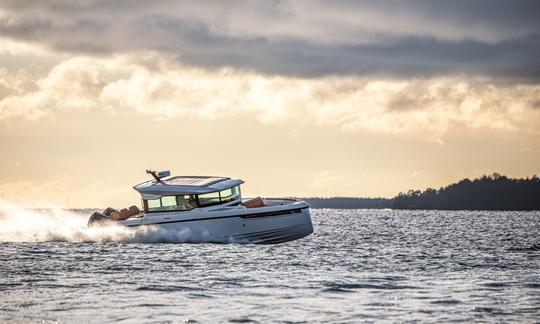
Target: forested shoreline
x=493, y=192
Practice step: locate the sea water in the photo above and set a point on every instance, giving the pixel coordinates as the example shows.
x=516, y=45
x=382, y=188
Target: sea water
x=359, y=265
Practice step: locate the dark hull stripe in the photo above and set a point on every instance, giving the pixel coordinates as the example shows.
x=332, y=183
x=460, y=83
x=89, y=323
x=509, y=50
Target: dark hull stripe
x=276, y=213
x=245, y=216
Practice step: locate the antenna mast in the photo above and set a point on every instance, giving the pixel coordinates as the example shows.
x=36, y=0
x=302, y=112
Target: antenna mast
x=154, y=174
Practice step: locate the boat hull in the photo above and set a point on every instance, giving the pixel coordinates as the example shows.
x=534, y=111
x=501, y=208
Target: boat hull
x=263, y=227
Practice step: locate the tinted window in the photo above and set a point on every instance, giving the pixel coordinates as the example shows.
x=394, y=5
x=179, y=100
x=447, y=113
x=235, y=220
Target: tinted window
x=171, y=203
x=230, y=194
x=209, y=199
x=153, y=203
x=186, y=202
x=226, y=195
x=168, y=201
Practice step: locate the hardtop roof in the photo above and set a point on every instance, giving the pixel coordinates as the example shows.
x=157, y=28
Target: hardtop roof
x=184, y=185
x=201, y=181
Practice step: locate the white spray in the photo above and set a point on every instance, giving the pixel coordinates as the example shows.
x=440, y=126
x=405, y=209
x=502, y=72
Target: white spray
x=19, y=224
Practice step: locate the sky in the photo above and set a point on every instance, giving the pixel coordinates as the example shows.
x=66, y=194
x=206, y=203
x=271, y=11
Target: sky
x=297, y=98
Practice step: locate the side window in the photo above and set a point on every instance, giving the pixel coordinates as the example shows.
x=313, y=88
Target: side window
x=186, y=202
x=153, y=204
x=236, y=192
x=230, y=194
x=226, y=195
x=209, y=199
x=168, y=202
x=171, y=203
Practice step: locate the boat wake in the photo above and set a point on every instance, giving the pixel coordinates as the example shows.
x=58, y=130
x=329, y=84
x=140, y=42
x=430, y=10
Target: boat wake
x=18, y=224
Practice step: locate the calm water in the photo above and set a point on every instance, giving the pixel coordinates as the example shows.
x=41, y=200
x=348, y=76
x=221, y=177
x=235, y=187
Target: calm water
x=360, y=265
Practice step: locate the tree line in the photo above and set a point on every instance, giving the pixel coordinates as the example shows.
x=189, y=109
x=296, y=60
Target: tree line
x=493, y=192
x=489, y=192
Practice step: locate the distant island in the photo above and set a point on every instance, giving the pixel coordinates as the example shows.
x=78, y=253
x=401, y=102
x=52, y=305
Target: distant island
x=493, y=192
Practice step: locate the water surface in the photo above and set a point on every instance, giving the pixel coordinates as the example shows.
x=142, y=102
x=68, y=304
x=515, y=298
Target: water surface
x=359, y=265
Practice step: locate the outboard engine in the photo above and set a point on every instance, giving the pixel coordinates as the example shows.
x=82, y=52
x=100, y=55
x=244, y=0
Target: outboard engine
x=98, y=218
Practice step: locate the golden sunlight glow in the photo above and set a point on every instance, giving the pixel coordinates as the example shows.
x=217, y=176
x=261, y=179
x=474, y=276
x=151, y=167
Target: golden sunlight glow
x=79, y=130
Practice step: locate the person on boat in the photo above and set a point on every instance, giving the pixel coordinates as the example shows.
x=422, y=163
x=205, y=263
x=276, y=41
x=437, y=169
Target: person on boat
x=191, y=203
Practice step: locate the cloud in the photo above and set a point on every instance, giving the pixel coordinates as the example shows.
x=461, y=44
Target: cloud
x=73, y=84
x=339, y=22
x=151, y=84
x=302, y=38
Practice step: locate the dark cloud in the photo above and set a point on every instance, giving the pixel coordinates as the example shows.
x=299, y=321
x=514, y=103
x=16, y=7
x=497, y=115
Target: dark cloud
x=404, y=38
x=408, y=57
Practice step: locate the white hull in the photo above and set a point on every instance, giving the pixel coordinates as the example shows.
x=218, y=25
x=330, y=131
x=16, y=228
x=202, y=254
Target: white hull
x=279, y=221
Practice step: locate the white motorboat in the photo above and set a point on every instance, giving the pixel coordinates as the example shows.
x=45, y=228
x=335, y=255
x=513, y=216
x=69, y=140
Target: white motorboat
x=211, y=209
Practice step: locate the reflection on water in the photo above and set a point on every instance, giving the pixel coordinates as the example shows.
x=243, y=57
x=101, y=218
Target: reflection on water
x=359, y=265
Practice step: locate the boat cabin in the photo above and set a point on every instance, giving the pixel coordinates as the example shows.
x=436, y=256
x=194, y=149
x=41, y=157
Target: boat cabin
x=182, y=193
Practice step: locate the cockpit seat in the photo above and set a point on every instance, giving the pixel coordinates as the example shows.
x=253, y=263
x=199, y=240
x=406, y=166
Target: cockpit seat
x=254, y=203
x=125, y=213
x=134, y=210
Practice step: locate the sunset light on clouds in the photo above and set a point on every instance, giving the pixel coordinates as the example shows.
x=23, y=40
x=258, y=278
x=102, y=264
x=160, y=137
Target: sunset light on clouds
x=299, y=98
